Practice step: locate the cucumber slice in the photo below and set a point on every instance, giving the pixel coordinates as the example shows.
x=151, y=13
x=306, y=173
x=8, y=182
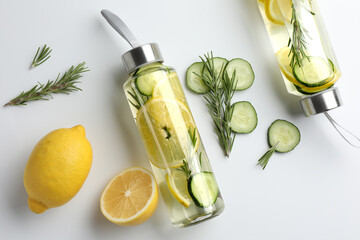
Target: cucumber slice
x=283, y=134
x=314, y=72
x=244, y=118
x=193, y=81
x=309, y=91
x=203, y=189
x=244, y=73
x=219, y=66
x=149, y=76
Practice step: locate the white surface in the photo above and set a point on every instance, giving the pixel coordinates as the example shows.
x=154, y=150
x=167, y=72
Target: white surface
x=310, y=193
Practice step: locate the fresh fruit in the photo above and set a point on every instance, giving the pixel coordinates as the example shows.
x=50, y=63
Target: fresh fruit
x=278, y=10
x=283, y=57
x=149, y=77
x=203, y=189
x=284, y=135
x=130, y=198
x=170, y=88
x=164, y=125
x=244, y=76
x=177, y=183
x=313, y=71
x=244, y=118
x=57, y=168
x=284, y=63
x=193, y=79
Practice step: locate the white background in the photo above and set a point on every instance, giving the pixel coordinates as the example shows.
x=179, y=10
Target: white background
x=310, y=193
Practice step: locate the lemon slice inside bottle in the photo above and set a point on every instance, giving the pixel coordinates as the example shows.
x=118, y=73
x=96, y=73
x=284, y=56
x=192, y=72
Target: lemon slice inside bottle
x=278, y=11
x=177, y=183
x=284, y=64
x=170, y=88
x=284, y=59
x=166, y=127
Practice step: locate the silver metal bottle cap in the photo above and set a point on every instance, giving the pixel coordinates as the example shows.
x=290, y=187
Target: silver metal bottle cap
x=139, y=55
x=321, y=102
x=142, y=55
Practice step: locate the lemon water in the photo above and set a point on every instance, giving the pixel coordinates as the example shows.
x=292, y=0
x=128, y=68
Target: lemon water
x=299, y=21
x=173, y=145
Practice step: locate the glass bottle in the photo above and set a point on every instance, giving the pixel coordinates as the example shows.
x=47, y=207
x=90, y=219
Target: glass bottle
x=169, y=133
x=305, y=56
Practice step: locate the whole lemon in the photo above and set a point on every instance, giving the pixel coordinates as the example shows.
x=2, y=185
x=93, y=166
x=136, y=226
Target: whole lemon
x=57, y=168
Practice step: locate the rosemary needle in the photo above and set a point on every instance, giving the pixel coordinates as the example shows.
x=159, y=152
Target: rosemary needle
x=41, y=56
x=65, y=84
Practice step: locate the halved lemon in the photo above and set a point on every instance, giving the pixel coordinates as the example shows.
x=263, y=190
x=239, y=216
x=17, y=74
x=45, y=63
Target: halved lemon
x=278, y=10
x=170, y=88
x=131, y=197
x=177, y=183
x=166, y=127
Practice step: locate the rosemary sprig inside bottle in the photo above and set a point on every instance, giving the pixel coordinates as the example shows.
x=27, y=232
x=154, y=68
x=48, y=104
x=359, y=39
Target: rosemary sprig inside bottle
x=65, y=84
x=41, y=56
x=219, y=101
x=297, y=42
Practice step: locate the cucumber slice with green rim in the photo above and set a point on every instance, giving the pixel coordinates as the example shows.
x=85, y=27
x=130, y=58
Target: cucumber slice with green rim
x=309, y=91
x=244, y=73
x=314, y=71
x=219, y=66
x=193, y=81
x=203, y=189
x=283, y=134
x=244, y=118
x=149, y=77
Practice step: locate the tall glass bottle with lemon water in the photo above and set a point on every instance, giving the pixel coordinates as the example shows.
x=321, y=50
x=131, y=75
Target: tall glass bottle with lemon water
x=169, y=133
x=304, y=53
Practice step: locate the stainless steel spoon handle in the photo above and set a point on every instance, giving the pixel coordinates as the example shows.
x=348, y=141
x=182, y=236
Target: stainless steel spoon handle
x=120, y=27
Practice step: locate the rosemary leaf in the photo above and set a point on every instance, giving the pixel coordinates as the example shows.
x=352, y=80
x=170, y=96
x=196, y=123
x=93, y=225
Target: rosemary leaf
x=297, y=42
x=41, y=56
x=65, y=84
x=263, y=161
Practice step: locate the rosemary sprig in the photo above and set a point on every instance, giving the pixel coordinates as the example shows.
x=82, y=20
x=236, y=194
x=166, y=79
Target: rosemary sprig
x=263, y=161
x=136, y=100
x=41, y=56
x=65, y=84
x=219, y=101
x=297, y=43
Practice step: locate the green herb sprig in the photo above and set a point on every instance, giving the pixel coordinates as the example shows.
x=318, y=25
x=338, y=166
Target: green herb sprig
x=263, y=161
x=297, y=43
x=65, y=84
x=219, y=101
x=41, y=56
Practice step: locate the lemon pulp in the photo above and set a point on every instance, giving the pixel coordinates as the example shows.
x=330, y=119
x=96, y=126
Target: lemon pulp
x=164, y=125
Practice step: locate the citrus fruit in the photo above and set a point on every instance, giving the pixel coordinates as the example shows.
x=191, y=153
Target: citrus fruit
x=57, y=168
x=284, y=59
x=177, y=183
x=130, y=198
x=278, y=10
x=170, y=88
x=164, y=125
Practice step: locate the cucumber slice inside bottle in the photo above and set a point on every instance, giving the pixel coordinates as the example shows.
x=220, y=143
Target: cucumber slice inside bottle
x=314, y=71
x=244, y=73
x=193, y=81
x=283, y=134
x=244, y=118
x=149, y=76
x=203, y=189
